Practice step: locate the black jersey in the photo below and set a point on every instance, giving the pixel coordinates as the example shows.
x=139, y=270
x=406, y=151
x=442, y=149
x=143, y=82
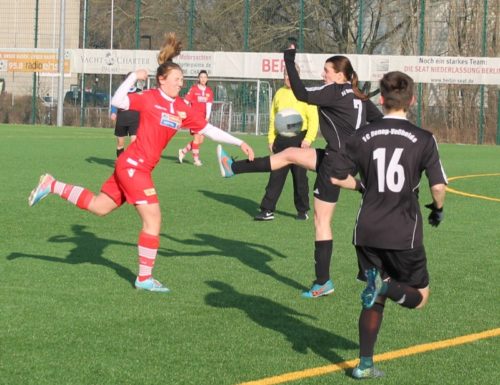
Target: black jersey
x=341, y=113
x=391, y=155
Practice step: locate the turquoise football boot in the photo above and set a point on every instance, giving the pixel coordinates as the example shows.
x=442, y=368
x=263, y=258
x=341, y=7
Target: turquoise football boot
x=41, y=190
x=225, y=162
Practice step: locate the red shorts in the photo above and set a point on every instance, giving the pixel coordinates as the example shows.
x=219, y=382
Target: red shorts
x=129, y=184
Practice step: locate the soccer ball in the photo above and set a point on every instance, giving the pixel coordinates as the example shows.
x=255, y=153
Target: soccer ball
x=288, y=122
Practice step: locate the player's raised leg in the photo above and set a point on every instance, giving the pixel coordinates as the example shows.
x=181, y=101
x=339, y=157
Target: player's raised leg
x=304, y=157
x=81, y=197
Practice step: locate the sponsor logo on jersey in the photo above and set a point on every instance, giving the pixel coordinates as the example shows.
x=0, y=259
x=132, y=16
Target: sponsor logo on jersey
x=202, y=99
x=171, y=121
x=149, y=191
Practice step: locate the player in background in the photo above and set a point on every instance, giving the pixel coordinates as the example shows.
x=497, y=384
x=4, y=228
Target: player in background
x=126, y=123
x=390, y=156
x=284, y=98
x=162, y=113
x=343, y=108
x=201, y=97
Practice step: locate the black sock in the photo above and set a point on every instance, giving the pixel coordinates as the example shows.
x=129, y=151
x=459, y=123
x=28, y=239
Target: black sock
x=369, y=325
x=402, y=294
x=322, y=256
x=257, y=165
x=119, y=151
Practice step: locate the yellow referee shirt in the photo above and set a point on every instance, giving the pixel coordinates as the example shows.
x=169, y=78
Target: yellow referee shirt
x=284, y=98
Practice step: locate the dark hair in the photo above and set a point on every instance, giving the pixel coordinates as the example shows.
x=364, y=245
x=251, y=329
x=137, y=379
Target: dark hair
x=170, y=49
x=343, y=64
x=397, y=89
x=200, y=73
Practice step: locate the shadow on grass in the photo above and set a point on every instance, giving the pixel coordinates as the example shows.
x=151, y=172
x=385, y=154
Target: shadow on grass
x=274, y=316
x=248, y=206
x=88, y=249
x=175, y=159
x=253, y=255
x=101, y=161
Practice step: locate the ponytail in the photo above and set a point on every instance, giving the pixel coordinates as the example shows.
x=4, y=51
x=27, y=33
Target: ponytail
x=171, y=48
x=355, y=87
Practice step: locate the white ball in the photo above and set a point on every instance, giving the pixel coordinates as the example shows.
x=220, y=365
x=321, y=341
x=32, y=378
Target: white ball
x=288, y=122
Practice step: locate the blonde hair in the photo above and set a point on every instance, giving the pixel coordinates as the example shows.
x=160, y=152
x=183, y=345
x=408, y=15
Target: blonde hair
x=170, y=48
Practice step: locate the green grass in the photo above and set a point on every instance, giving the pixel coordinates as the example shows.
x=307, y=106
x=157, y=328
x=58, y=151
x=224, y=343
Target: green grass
x=70, y=316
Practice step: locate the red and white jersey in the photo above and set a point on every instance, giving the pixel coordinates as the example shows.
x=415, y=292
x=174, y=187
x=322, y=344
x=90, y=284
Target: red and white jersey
x=199, y=98
x=159, y=120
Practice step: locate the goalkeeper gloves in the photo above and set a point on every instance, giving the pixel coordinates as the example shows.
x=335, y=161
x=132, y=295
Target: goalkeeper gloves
x=436, y=215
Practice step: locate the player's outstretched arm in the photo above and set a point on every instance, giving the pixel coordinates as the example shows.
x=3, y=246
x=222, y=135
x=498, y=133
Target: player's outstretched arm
x=220, y=136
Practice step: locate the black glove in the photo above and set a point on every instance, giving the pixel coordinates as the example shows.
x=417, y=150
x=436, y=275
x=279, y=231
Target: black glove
x=436, y=215
x=289, y=54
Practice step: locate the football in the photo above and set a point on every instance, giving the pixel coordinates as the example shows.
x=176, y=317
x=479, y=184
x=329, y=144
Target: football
x=288, y=122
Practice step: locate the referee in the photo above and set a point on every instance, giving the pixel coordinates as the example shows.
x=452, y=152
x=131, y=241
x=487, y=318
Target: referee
x=126, y=123
x=283, y=99
x=390, y=155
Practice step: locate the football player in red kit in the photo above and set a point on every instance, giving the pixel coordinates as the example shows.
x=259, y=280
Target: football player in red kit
x=162, y=113
x=200, y=96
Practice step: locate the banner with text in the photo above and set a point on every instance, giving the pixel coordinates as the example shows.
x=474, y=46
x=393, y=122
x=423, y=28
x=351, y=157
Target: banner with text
x=41, y=61
x=255, y=65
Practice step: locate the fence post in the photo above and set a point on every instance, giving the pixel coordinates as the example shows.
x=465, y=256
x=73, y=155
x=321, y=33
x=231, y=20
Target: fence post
x=359, y=45
x=480, y=137
x=421, y=47
x=60, y=64
x=498, y=117
x=301, y=27
x=34, y=92
x=191, y=24
x=137, y=24
x=82, y=80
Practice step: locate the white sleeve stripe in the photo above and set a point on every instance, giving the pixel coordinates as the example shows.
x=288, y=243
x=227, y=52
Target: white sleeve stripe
x=217, y=135
x=120, y=98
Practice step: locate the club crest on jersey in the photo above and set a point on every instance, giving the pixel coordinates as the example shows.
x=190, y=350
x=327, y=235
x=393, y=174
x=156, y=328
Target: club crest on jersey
x=171, y=121
x=182, y=115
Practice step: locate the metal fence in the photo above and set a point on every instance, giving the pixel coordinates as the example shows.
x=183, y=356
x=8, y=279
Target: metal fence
x=454, y=112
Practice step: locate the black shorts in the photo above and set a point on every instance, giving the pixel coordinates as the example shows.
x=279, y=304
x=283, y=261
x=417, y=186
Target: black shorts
x=405, y=266
x=324, y=190
x=126, y=123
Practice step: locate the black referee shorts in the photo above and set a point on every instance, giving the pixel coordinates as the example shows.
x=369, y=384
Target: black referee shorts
x=324, y=190
x=126, y=123
x=405, y=266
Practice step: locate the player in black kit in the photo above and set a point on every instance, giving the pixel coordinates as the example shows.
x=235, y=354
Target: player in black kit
x=126, y=123
x=390, y=156
x=342, y=108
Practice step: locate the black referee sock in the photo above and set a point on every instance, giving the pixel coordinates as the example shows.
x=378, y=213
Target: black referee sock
x=403, y=295
x=257, y=165
x=322, y=256
x=369, y=326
